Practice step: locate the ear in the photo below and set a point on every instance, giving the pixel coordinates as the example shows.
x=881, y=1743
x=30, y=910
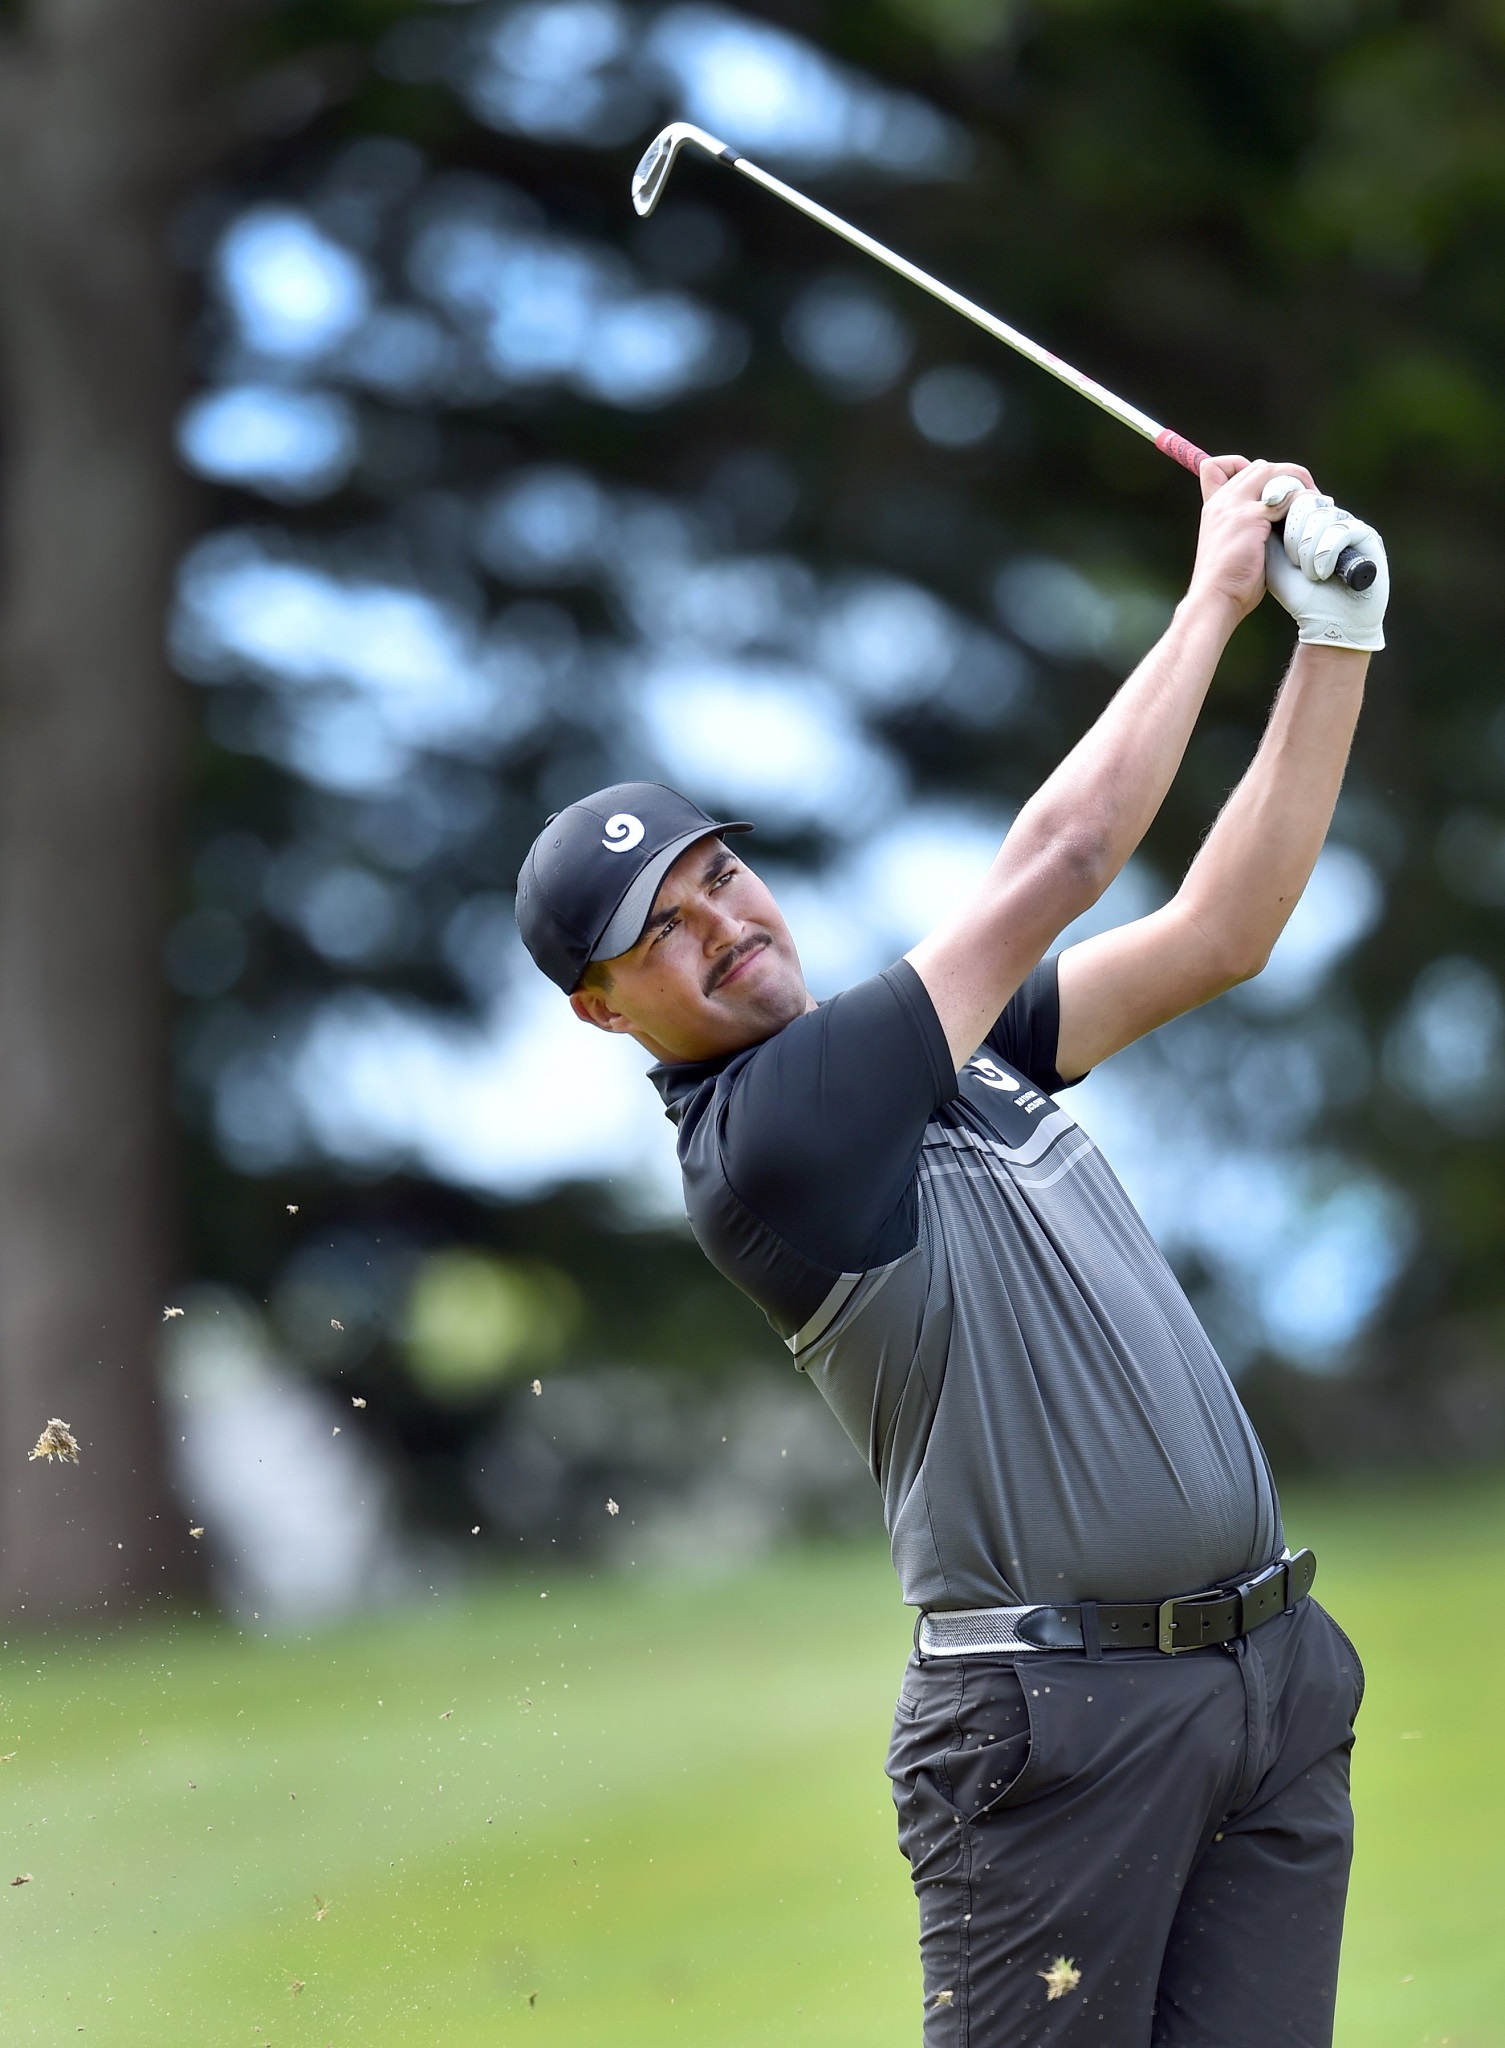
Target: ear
x=593, y=1006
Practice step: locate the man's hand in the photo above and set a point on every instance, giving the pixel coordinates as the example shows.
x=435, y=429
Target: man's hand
x=1231, y=561
x=1299, y=569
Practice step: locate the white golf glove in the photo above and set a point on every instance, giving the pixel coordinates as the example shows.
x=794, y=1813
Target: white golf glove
x=1299, y=568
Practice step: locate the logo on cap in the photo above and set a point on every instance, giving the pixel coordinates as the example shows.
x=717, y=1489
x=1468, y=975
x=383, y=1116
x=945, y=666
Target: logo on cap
x=623, y=832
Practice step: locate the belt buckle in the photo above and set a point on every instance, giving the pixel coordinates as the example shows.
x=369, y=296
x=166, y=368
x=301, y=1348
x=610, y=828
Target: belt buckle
x=1165, y=1621
x=1273, y=1591
x=1165, y=1630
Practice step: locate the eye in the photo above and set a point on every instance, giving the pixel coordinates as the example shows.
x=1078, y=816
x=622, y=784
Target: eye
x=724, y=877
x=663, y=931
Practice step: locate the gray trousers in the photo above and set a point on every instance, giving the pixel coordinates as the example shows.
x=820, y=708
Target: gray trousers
x=1177, y=1828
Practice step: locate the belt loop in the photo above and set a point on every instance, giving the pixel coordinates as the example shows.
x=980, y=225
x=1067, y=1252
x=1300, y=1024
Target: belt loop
x=1092, y=1641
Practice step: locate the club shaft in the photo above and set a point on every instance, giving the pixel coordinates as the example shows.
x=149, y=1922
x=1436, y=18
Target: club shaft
x=1353, y=568
x=1356, y=570
x=1169, y=443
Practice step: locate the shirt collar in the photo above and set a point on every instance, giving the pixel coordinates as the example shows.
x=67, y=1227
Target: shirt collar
x=677, y=1083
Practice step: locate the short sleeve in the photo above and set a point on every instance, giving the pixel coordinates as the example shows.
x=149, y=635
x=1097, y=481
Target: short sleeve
x=1028, y=1033
x=820, y=1130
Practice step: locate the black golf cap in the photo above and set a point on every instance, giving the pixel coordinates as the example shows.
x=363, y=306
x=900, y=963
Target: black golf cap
x=591, y=875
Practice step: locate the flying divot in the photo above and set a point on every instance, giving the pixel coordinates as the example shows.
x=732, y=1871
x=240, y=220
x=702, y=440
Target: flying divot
x=1062, y=1976
x=56, y=1441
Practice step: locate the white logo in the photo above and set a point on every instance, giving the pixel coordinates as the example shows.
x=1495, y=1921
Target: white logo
x=623, y=833
x=992, y=1076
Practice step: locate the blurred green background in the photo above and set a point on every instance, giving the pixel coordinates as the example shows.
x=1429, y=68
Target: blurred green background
x=468, y=1825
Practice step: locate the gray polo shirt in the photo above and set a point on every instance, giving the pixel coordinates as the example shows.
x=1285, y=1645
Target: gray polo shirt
x=951, y=1260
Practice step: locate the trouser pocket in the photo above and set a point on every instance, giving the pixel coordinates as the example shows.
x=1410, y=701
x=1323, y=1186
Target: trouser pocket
x=962, y=1748
x=961, y=1756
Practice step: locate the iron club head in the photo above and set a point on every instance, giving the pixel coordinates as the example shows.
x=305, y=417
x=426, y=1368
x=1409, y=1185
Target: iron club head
x=652, y=173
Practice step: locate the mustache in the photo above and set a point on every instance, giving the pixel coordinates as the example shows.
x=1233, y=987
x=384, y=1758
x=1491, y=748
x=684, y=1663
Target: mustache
x=730, y=962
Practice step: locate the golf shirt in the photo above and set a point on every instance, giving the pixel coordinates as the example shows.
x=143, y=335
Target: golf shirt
x=952, y=1261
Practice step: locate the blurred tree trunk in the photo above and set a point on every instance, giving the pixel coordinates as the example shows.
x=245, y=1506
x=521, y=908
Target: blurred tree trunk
x=97, y=98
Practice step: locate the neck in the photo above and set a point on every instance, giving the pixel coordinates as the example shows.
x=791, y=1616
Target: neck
x=666, y=1058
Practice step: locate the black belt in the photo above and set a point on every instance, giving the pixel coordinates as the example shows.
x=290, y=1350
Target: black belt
x=1194, y=1621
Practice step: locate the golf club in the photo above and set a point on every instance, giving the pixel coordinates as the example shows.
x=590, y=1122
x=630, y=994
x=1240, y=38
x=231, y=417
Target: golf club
x=652, y=174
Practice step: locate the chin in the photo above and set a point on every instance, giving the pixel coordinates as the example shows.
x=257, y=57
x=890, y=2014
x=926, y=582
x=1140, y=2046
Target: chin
x=772, y=976
x=772, y=1003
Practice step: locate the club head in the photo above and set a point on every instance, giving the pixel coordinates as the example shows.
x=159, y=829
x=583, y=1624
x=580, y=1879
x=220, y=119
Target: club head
x=652, y=173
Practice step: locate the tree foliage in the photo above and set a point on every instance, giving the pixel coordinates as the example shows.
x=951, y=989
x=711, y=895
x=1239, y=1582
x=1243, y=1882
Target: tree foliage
x=1279, y=227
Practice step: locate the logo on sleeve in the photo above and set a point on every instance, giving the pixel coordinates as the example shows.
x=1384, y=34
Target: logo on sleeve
x=623, y=832
x=992, y=1076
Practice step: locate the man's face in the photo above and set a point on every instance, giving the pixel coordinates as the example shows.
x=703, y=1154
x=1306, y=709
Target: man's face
x=715, y=970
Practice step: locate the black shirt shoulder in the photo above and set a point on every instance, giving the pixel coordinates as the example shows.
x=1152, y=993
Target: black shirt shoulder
x=799, y=1155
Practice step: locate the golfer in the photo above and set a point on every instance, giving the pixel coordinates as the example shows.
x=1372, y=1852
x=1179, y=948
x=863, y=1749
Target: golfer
x=1120, y=1755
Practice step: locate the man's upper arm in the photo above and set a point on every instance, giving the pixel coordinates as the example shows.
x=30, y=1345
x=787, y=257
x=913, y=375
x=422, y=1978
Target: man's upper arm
x=821, y=1134
x=1116, y=987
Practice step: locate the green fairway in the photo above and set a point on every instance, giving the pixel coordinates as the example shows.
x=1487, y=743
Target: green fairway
x=655, y=1813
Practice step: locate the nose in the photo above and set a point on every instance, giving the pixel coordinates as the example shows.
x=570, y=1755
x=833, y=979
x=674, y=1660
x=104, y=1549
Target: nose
x=721, y=931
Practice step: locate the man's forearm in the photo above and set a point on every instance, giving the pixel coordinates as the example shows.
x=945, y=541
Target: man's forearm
x=1219, y=927
x=1079, y=828
x=1241, y=888
x=1110, y=786
x=1076, y=832
x=1258, y=857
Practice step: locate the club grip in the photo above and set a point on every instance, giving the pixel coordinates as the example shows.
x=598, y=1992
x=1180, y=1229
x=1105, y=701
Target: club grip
x=1179, y=449
x=1356, y=570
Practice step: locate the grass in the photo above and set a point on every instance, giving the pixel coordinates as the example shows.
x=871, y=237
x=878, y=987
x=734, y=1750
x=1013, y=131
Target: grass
x=656, y=1812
